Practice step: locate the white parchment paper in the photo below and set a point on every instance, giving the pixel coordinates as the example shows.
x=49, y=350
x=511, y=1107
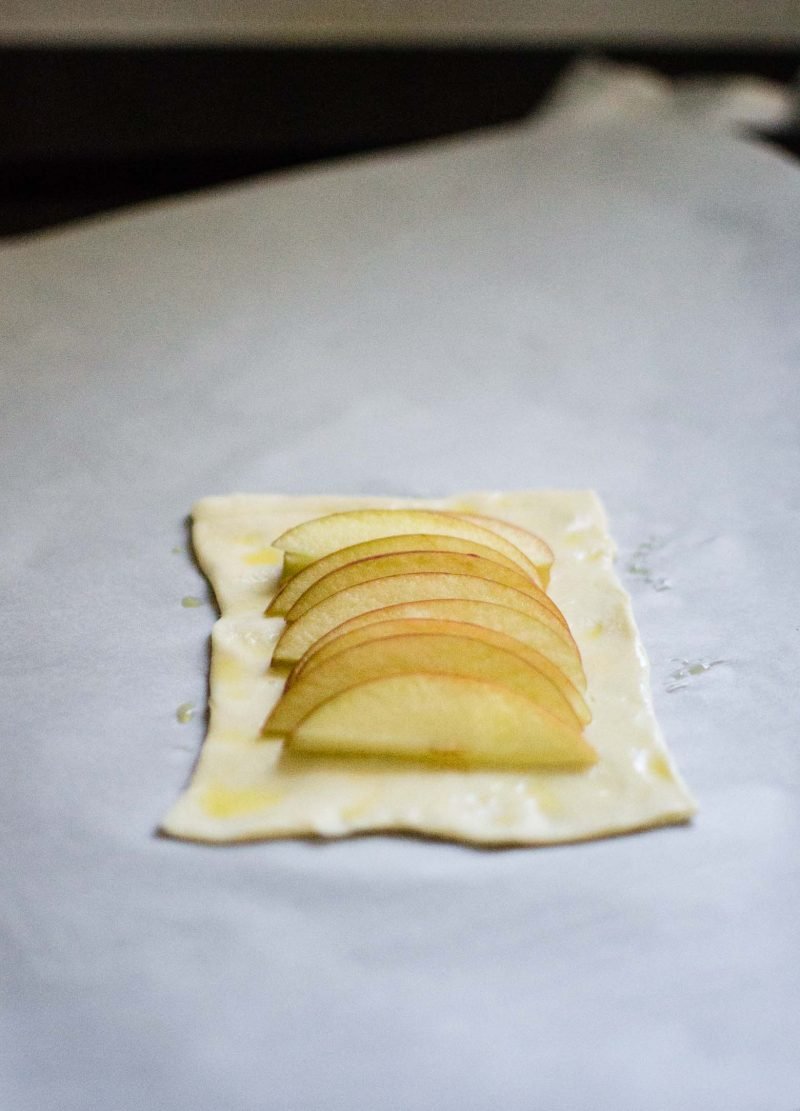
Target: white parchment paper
x=610, y=301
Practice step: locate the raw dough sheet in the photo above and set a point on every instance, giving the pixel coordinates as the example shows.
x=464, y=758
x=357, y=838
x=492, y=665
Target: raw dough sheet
x=246, y=788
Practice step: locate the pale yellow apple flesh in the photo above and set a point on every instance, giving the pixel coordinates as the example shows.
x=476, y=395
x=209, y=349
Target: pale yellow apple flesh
x=298, y=637
x=409, y=563
x=407, y=653
x=442, y=718
x=314, y=539
x=384, y=545
x=538, y=552
x=455, y=630
x=523, y=627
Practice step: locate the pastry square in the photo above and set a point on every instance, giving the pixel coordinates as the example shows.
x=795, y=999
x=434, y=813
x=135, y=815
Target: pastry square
x=246, y=788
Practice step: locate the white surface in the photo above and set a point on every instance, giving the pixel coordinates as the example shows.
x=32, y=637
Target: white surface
x=464, y=21
x=611, y=304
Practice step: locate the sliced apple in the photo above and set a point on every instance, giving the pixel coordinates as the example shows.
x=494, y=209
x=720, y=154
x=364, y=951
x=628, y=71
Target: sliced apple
x=317, y=538
x=298, y=637
x=524, y=627
x=442, y=718
x=538, y=552
x=454, y=631
x=383, y=545
x=407, y=653
x=408, y=563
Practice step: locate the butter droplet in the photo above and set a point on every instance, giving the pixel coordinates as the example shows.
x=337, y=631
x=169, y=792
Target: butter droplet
x=225, y=802
x=177, y=550
x=227, y=670
x=545, y=797
x=355, y=811
x=659, y=767
x=264, y=556
x=678, y=679
x=639, y=564
x=190, y=602
x=185, y=712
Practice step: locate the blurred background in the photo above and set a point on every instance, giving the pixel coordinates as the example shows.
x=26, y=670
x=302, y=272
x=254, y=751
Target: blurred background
x=104, y=104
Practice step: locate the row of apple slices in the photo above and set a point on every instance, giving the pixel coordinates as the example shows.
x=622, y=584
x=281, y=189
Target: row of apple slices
x=427, y=635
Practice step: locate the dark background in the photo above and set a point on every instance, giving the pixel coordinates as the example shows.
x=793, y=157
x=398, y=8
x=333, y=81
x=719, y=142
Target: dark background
x=86, y=129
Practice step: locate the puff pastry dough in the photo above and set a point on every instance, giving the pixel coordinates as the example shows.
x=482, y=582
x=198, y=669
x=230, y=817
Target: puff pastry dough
x=246, y=788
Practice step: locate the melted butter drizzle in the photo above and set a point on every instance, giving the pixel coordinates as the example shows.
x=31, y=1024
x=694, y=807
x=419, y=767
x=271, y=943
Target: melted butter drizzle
x=689, y=669
x=639, y=565
x=185, y=712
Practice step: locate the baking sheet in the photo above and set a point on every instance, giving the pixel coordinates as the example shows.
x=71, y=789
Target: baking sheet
x=610, y=302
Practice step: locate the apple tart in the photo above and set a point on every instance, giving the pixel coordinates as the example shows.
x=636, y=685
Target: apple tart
x=466, y=668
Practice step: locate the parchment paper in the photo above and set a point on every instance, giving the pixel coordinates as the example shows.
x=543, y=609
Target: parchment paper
x=610, y=302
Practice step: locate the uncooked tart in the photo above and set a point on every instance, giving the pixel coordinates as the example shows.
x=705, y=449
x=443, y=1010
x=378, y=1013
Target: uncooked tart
x=245, y=787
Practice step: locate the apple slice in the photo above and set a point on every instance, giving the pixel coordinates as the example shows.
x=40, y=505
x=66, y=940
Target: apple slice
x=408, y=563
x=384, y=545
x=538, y=552
x=298, y=637
x=317, y=538
x=455, y=630
x=407, y=653
x=524, y=627
x=442, y=718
